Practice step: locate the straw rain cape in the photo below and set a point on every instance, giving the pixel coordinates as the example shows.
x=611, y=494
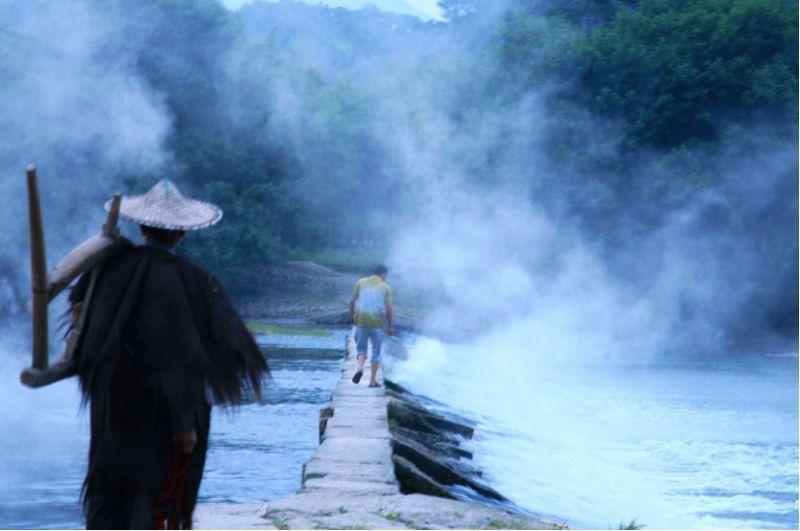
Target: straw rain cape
x=162, y=341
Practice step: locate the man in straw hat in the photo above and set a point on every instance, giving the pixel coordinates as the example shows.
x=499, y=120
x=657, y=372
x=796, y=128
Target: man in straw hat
x=162, y=341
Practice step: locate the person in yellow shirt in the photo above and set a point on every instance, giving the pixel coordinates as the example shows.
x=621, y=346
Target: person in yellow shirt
x=371, y=311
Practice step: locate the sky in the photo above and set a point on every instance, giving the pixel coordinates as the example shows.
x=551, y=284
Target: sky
x=425, y=9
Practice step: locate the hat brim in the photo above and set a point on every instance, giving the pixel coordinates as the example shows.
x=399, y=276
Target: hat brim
x=188, y=214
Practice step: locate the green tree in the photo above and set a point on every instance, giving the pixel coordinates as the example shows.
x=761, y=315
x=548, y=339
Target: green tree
x=679, y=71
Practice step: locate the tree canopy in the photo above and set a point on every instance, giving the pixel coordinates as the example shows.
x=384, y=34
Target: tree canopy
x=319, y=127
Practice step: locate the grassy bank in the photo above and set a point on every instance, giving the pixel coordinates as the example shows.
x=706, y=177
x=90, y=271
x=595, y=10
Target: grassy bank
x=262, y=327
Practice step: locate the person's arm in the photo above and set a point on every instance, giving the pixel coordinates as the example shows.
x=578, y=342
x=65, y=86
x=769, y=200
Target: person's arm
x=388, y=302
x=389, y=329
x=353, y=298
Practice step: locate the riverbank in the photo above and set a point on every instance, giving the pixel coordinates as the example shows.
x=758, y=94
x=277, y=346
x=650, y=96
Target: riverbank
x=303, y=296
x=299, y=291
x=350, y=483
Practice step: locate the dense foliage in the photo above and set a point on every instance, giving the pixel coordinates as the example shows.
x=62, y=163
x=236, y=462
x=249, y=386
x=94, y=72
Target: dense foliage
x=639, y=124
x=675, y=70
x=294, y=117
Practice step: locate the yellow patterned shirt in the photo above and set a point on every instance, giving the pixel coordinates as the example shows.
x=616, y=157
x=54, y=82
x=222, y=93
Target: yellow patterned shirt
x=371, y=295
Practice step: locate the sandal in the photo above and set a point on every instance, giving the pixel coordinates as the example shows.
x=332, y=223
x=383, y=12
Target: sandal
x=357, y=377
x=373, y=385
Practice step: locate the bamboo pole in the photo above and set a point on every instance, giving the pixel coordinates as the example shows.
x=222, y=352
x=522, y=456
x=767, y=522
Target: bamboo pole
x=88, y=255
x=110, y=228
x=38, y=273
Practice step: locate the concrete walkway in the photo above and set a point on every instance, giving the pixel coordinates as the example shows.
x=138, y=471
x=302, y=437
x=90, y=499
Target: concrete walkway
x=354, y=455
x=349, y=482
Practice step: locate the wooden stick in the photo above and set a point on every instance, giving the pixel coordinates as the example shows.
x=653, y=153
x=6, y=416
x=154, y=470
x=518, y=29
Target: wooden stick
x=90, y=254
x=110, y=228
x=38, y=273
x=81, y=259
x=57, y=371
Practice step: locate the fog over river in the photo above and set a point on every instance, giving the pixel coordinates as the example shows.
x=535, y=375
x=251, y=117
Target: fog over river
x=677, y=444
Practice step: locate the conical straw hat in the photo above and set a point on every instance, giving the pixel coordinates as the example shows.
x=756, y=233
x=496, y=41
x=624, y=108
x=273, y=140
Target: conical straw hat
x=164, y=207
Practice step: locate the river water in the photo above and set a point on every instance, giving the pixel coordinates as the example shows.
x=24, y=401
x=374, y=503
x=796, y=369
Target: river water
x=255, y=453
x=679, y=444
x=686, y=443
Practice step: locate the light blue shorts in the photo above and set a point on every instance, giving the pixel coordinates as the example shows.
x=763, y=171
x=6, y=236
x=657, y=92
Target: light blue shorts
x=375, y=335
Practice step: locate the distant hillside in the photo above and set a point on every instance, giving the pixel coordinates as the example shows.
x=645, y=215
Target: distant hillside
x=396, y=6
x=393, y=6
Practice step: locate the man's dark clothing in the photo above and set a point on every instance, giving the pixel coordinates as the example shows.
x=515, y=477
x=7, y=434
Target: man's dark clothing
x=161, y=341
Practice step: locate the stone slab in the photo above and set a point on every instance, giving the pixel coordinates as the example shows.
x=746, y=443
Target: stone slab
x=376, y=432
x=356, y=403
x=358, y=391
x=321, y=510
x=381, y=472
x=355, y=422
x=360, y=413
x=346, y=487
x=364, y=454
x=230, y=516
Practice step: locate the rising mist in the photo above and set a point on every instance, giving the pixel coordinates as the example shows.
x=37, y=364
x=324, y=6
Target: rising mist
x=500, y=183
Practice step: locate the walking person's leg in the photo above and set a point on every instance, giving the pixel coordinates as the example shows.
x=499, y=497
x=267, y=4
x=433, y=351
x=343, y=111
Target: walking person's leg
x=361, y=337
x=377, y=342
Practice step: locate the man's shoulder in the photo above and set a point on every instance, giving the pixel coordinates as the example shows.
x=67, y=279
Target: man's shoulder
x=193, y=275
x=126, y=256
x=378, y=283
x=198, y=273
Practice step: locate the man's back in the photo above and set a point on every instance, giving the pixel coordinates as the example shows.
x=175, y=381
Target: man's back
x=161, y=334
x=371, y=309
x=372, y=295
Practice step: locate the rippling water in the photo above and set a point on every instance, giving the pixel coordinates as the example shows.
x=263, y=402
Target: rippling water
x=703, y=443
x=255, y=454
x=681, y=444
